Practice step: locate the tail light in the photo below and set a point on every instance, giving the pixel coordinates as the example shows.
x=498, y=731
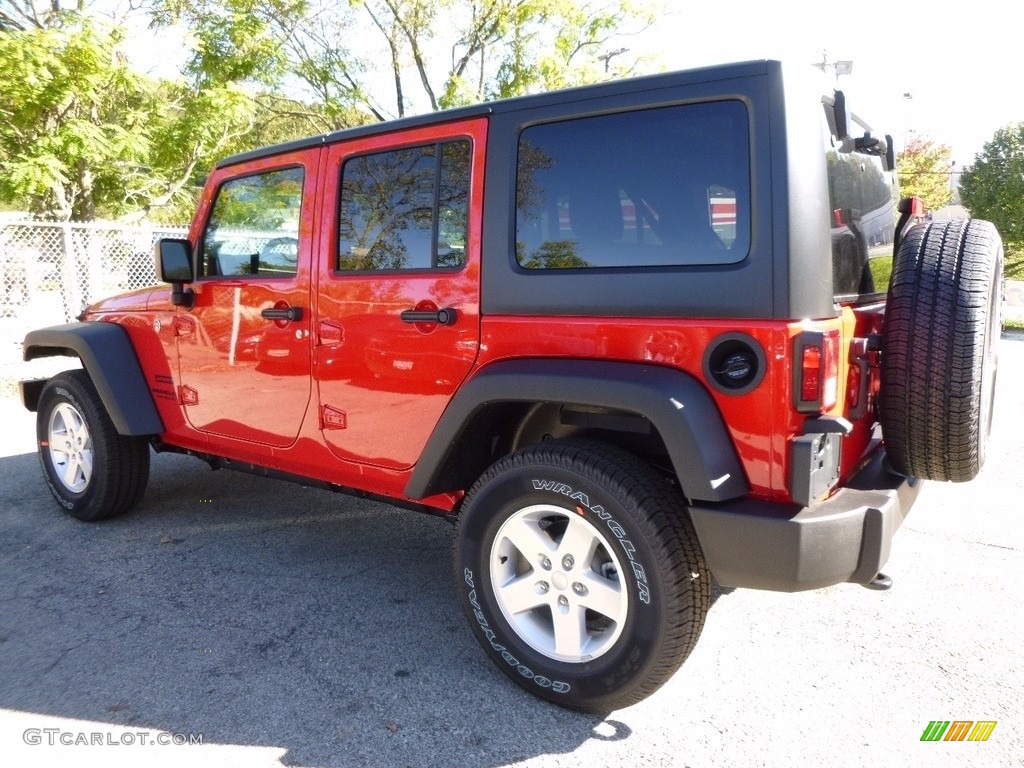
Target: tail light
x=816, y=371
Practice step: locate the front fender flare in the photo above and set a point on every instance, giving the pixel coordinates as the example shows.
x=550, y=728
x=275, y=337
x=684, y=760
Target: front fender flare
x=678, y=406
x=109, y=358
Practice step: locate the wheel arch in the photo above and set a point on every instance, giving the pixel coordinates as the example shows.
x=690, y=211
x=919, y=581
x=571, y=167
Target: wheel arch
x=486, y=419
x=107, y=355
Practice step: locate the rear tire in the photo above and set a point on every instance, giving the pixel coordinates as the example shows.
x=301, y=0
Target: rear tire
x=581, y=574
x=939, y=349
x=92, y=471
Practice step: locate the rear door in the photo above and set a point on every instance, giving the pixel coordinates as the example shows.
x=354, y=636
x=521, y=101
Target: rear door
x=397, y=327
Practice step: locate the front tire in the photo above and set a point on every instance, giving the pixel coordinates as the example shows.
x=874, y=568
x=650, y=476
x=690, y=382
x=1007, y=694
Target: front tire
x=92, y=471
x=581, y=574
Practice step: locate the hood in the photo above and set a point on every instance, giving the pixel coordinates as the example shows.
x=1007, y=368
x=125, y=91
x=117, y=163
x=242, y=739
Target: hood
x=133, y=301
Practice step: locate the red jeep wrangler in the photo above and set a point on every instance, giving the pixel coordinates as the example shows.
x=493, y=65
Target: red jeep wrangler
x=631, y=337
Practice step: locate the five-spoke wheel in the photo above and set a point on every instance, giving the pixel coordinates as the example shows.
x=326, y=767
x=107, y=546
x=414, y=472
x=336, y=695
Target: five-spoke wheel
x=92, y=471
x=580, y=573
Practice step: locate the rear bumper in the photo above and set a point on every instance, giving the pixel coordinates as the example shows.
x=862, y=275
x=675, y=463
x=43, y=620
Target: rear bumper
x=846, y=538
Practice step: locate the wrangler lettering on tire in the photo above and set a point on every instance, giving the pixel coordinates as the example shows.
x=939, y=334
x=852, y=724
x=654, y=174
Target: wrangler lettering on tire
x=578, y=563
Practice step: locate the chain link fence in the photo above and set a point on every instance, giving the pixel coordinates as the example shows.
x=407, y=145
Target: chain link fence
x=50, y=272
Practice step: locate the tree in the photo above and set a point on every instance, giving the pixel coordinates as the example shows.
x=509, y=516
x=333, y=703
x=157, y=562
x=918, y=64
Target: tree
x=993, y=188
x=83, y=135
x=36, y=14
x=344, y=58
x=924, y=172
x=70, y=115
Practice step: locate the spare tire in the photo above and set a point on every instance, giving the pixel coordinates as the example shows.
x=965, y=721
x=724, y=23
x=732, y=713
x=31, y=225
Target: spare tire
x=939, y=349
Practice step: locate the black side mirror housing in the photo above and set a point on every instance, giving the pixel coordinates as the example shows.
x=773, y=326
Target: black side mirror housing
x=174, y=264
x=840, y=122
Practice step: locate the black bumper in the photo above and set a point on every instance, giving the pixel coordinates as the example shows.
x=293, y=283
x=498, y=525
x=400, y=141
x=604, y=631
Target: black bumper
x=846, y=538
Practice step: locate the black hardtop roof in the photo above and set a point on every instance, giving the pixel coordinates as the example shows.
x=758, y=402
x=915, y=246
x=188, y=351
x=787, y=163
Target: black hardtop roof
x=580, y=93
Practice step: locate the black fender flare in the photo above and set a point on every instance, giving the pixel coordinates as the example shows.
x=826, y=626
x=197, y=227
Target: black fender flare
x=109, y=358
x=678, y=406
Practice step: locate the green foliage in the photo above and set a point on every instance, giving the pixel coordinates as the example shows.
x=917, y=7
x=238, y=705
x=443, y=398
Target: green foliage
x=924, y=172
x=71, y=113
x=235, y=40
x=993, y=188
x=268, y=202
x=499, y=48
x=544, y=45
x=552, y=254
x=83, y=134
x=1013, y=264
x=881, y=272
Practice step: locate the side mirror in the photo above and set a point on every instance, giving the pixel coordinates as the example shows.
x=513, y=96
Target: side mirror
x=842, y=118
x=890, y=154
x=174, y=265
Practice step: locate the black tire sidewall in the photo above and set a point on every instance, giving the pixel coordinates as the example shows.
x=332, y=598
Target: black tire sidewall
x=67, y=390
x=586, y=684
x=990, y=349
x=937, y=389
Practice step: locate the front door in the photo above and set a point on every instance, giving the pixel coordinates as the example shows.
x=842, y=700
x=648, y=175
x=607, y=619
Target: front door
x=398, y=321
x=244, y=348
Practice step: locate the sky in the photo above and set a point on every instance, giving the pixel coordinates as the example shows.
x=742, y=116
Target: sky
x=959, y=67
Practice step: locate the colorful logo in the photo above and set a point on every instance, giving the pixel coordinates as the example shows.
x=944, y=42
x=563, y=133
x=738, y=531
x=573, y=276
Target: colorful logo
x=958, y=730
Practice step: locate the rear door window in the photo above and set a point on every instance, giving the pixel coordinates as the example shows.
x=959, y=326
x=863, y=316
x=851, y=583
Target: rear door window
x=405, y=209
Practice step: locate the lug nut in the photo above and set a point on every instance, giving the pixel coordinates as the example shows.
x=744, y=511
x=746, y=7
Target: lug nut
x=563, y=601
x=568, y=562
x=545, y=563
x=543, y=586
x=579, y=589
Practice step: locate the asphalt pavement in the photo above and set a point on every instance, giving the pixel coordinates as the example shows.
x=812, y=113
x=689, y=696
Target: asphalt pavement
x=280, y=625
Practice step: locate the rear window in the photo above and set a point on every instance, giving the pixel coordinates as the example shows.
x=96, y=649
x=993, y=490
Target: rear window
x=650, y=188
x=862, y=205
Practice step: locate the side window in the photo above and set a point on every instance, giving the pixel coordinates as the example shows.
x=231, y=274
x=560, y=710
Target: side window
x=657, y=187
x=253, y=229
x=405, y=209
x=862, y=197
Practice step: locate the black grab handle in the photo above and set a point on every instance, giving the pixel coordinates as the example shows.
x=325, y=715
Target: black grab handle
x=441, y=316
x=285, y=313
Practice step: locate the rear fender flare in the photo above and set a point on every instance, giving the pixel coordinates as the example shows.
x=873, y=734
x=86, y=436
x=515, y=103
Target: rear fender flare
x=678, y=406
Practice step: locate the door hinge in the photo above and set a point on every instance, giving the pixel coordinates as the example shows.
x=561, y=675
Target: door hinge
x=184, y=326
x=332, y=418
x=187, y=395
